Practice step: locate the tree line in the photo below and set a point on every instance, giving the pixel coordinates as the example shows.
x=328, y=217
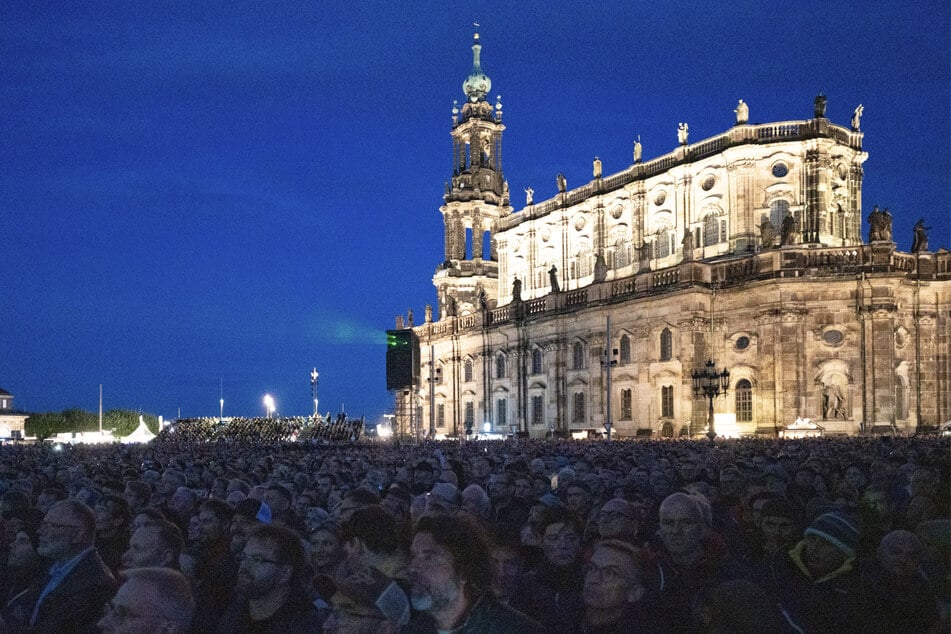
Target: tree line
x=121, y=422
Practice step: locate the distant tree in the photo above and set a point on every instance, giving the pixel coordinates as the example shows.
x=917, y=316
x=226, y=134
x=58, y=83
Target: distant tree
x=121, y=422
x=45, y=424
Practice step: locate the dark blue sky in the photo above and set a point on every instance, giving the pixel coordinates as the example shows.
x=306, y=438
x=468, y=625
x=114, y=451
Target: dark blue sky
x=197, y=193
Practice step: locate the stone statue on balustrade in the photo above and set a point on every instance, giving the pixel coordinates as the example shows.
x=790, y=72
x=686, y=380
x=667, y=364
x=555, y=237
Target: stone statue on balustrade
x=409, y=317
x=562, y=183
x=767, y=234
x=880, y=225
x=857, y=118
x=553, y=279
x=787, y=231
x=600, y=268
x=638, y=150
x=919, y=243
x=742, y=113
x=819, y=106
x=683, y=133
x=529, y=196
x=596, y=168
x=687, y=244
x=516, y=290
x=429, y=313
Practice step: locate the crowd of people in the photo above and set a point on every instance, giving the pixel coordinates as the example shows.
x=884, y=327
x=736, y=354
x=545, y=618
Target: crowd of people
x=755, y=535
x=266, y=430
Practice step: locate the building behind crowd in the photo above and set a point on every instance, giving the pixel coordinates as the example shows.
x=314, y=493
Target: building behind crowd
x=745, y=248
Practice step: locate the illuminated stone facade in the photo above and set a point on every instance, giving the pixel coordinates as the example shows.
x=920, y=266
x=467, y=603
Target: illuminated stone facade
x=745, y=248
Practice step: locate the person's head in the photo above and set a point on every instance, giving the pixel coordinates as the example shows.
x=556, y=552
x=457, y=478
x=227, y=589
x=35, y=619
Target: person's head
x=183, y=501
x=324, y=486
x=22, y=551
x=150, y=601
x=112, y=515
x=48, y=497
x=561, y=538
x=618, y=519
x=144, y=517
x=138, y=494
x=501, y=486
x=371, y=532
x=924, y=481
x=450, y=562
x=423, y=476
x=578, y=497
x=326, y=548
x=273, y=559
x=476, y=503
x=278, y=497
x=214, y=521
x=396, y=502
x=352, y=500
x=901, y=553
x=367, y=602
x=829, y=542
x=509, y=563
x=780, y=524
x=154, y=545
x=682, y=525
x=67, y=529
x=614, y=577
x=523, y=488
x=480, y=468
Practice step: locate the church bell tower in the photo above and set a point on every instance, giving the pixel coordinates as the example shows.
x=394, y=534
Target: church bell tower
x=475, y=198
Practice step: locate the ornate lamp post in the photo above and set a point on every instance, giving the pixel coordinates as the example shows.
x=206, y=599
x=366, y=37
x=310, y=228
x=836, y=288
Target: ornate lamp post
x=710, y=383
x=268, y=404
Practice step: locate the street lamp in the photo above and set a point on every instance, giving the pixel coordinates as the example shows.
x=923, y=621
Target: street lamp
x=709, y=383
x=313, y=388
x=269, y=404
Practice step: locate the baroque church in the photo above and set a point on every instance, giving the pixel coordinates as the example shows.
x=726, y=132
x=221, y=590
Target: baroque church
x=600, y=307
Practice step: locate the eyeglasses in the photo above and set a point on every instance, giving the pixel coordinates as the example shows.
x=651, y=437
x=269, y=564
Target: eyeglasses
x=257, y=560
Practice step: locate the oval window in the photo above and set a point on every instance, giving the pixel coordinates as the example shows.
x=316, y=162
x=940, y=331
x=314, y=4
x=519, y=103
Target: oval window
x=780, y=170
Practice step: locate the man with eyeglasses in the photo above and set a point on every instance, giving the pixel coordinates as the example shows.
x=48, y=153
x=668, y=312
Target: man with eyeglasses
x=451, y=575
x=150, y=601
x=70, y=597
x=614, y=591
x=270, y=595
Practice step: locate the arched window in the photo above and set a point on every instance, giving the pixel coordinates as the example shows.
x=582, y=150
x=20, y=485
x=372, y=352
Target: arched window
x=662, y=244
x=744, y=401
x=501, y=413
x=666, y=345
x=711, y=230
x=667, y=401
x=577, y=356
x=626, y=404
x=536, y=361
x=777, y=211
x=577, y=410
x=500, y=366
x=467, y=370
x=625, y=350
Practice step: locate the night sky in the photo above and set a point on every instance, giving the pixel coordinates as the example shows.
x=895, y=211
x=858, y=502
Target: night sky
x=201, y=196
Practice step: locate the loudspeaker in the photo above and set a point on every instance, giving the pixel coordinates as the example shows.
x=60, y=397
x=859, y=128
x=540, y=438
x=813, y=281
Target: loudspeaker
x=402, y=359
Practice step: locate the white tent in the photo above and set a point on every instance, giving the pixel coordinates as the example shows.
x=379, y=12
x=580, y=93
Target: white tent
x=140, y=435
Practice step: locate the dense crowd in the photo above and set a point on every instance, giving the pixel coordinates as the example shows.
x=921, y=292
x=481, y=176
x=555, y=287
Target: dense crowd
x=758, y=535
x=266, y=430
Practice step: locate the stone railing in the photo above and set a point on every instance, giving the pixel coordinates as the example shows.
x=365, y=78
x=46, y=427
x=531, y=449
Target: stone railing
x=737, y=135
x=799, y=261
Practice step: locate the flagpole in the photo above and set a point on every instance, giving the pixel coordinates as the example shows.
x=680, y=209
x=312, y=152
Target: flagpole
x=100, y=410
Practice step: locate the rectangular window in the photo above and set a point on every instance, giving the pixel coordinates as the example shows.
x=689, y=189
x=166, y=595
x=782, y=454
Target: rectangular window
x=626, y=405
x=667, y=401
x=577, y=410
x=470, y=415
x=501, y=413
x=441, y=415
x=536, y=361
x=538, y=411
